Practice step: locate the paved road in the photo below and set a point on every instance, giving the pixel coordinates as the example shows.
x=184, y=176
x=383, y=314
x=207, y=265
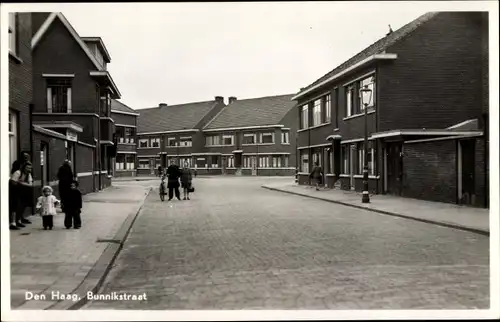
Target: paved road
x=238, y=246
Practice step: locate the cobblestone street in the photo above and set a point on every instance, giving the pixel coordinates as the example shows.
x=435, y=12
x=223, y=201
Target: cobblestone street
x=235, y=245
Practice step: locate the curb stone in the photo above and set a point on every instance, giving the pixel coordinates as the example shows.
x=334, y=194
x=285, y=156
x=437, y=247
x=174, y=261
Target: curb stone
x=449, y=225
x=95, y=278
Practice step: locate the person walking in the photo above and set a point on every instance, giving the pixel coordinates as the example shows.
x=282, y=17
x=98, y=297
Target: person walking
x=73, y=208
x=22, y=182
x=160, y=171
x=173, y=174
x=317, y=174
x=186, y=180
x=46, y=207
x=65, y=176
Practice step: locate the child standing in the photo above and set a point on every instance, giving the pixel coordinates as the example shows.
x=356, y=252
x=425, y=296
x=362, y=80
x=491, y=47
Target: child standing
x=73, y=207
x=46, y=206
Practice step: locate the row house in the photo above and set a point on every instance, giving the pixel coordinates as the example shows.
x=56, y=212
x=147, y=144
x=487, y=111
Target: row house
x=60, y=99
x=426, y=119
x=172, y=132
x=125, y=139
x=251, y=137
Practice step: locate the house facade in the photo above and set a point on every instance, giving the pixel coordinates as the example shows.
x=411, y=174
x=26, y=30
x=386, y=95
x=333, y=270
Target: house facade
x=60, y=100
x=125, y=139
x=251, y=137
x=426, y=119
x=166, y=133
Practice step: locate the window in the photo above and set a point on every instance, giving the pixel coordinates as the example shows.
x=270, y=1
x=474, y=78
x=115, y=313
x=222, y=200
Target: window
x=230, y=162
x=328, y=109
x=13, y=138
x=120, y=162
x=143, y=163
x=130, y=161
x=285, y=137
x=264, y=162
x=187, y=141
x=304, y=161
x=201, y=163
x=336, y=102
x=369, y=83
x=328, y=153
x=228, y=140
x=304, y=117
x=267, y=138
x=249, y=138
x=345, y=158
x=105, y=103
x=370, y=157
x=246, y=162
x=155, y=142
x=215, y=161
x=59, y=95
x=285, y=159
x=185, y=160
x=13, y=32
x=277, y=162
x=171, y=142
x=317, y=112
x=212, y=140
x=143, y=143
x=349, y=100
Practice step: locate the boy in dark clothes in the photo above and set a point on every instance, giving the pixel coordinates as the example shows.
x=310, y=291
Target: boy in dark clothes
x=73, y=207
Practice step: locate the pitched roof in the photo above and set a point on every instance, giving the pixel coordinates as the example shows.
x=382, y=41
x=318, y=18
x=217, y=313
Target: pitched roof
x=100, y=43
x=376, y=48
x=172, y=117
x=45, y=26
x=268, y=110
x=120, y=107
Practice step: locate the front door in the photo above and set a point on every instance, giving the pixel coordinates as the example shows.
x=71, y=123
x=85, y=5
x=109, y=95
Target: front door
x=394, y=155
x=253, y=162
x=224, y=162
x=466, y=173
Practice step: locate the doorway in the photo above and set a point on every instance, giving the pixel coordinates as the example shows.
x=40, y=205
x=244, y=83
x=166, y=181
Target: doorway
x=253, y=164
x=224, y=163
x=394, y=164
x=466, y=172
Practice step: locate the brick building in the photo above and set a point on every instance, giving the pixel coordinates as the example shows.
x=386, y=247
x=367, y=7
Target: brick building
x=427, y=118
x=125, y=118
x=251, y=137
x=172, y=132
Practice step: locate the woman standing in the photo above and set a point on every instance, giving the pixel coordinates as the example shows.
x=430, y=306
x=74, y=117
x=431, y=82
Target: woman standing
x=22, y=182
x=186, y=180
x=65, y=177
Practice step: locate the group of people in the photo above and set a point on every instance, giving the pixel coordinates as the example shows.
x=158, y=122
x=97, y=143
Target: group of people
x=174, y=174
x=21, y=196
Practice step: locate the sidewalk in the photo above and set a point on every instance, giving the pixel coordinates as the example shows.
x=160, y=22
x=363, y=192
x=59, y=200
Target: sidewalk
x=71, y=261
x=450, y=215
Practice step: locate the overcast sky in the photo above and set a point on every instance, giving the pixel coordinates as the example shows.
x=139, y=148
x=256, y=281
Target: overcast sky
x=185, y=52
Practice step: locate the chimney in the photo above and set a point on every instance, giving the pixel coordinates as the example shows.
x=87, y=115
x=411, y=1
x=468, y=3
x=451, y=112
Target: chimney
x=231, y=99
x=162, y=105
x=219, y=99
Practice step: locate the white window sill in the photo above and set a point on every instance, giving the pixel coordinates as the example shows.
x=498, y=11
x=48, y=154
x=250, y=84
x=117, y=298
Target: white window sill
x=330, y=175
x=217, y=146
x=336, y=130
x=123, y=143
x=358, y=115
x=358, y=176
x=285, y=143
x=16, y=58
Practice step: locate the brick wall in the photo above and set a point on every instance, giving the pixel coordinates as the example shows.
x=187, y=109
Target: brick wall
x=436, y=81
x=56, y=154
x=58, y=53
x=20, y=79
x=480, y=173
x=430, y=170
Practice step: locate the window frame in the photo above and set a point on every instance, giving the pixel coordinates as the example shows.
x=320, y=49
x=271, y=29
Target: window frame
x=157, y=141
x=171, y=139
x=304, y=117
x=372, y=86
x=185, y=140
x=143, y=141
x=328, y=108
x=227, y=136
x=285, y=137
x=209, y=140
x=349, y=99
x=62, y=83
x=261, y=136
x=317, y=112
x=304, y=160
x=254, y=135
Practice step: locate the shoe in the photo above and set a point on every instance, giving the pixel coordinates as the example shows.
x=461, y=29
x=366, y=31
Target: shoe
x=188, y=198
x=44, y=228
x=20, y=225
x=25, y=221
x=14, y=227
x=68, y=227
x=169, y=199
x=50, y=228
x=184, y=198
x=77, y=227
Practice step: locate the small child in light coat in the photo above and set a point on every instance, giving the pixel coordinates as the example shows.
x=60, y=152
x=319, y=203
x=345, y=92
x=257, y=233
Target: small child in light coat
x=46, y=207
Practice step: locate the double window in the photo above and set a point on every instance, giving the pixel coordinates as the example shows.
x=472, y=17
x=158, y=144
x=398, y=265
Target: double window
x=215, y=161
x=228, y=140
x=285, y=137
x=155, y=142
x=171, y=142
x=125, y=162
x=13, y=138
x=144, y=163
x=317, y=112
x=266, y=138
x=125, y=134
x=59, y=95
x=353, y=156
x=249, y=138
x=212, y=140
x=354, y=101
x=186, y=141
x=149, y=143
x=370, y=158
x=304, y=117
x=328, y=109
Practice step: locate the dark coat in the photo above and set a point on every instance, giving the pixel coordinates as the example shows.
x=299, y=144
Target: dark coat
x=173, y=173
x=186, y=177
x=73, y=200
x=65, y=177
x=316, y=173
